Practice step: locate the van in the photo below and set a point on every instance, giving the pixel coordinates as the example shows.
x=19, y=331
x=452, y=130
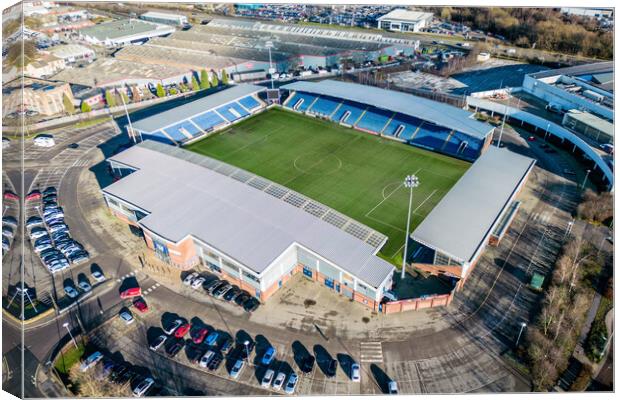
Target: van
x=44, y=141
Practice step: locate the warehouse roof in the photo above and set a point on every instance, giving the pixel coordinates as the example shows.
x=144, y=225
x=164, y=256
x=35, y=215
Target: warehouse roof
x=402, y=14
x=594, y=68
x=419, y=107
x=158, y=14
x=247, y=224
x=70, y=50
x=193, y=108
x=464, y=218
x=121, y=28
x=592, y=121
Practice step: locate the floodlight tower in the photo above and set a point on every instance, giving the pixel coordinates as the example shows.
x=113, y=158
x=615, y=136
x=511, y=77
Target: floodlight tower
x=411, y=181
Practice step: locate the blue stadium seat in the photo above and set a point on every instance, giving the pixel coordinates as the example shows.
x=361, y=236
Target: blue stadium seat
x=325, y=106
x=226, y=113
x=174, y=131
x=249, y=102
x=430, y=135
x=237, y=107
x=410, y=124
x=307, y=101
x=374, y=119
x=354, y=110
x=157, y=136
x=208, y=120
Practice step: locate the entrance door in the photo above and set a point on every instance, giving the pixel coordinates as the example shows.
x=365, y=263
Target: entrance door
x=329, y=283
x=308, y=272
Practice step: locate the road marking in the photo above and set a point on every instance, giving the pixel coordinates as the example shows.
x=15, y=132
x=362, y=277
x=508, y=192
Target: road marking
x=371, y=352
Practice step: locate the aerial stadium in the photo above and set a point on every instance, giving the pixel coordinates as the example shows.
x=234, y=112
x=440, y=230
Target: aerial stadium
x=258, y=192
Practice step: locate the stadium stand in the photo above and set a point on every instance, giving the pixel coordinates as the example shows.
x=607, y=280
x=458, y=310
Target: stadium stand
x=232, y=111
x=325, y=106
x=402, y=127
x=374, y=120
x=250, y=103
x=301, y=101
x=430, y=136
x=182, y=131
x=348, y=113
x=208, y=121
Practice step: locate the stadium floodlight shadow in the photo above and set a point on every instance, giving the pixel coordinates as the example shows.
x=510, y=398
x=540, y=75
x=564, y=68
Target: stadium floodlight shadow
x=322, y=357
x=381, y=378
x=345, y=361
x=152, y=333
x=300, y=352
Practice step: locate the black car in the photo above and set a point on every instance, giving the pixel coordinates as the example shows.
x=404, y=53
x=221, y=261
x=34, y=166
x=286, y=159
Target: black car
x=242, y=298
x=221, y=289
x=175, y=348
x=226, y=346
x=331, y=368
x=244, y=351
x=215, y=362
x=50, y=190
x=251, y=304
x=231, y=293
x=211, y=286
x=307, y=365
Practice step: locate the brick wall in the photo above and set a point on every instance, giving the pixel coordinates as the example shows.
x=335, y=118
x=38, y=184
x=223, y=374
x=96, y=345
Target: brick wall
x=417, y=304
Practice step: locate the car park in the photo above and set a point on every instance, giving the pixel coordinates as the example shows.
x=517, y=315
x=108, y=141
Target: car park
x=85, y=286
x=182, y=330
x=212, y=338
x=269, y=356
x=199, y=336
x=126, y=317
x=9, y=220
x=175, y=348
x=197, y=283
x=266, y=381
x=143, y=387
x=140, y=304
x=291, y=384
x=173, y=326
x=279, y=381
x=71, y=292
x=98, y=276
x=158, y=342
x=355, y=372
x=236, y=369
x=206, y=358
x=190, y=278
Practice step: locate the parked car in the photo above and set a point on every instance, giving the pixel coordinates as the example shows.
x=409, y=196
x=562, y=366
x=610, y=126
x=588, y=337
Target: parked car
x=291, y=384
x=85, y=286
x=8, y=195
x=9, y=220
x=36, y=233
x=215, y=362
x=173, y=326
x=226, y=346
x=251, y=305
x=131, y=292
x=175, y=348
x=126, y=317
x=190, y=278
x=279, y=381
x=140, y=304
x=34, y=221
x=219, y=292
x=242, y=298
x=266, y=381
x=331, y=368
x=355, y=372
x=50, y=190
x=44, y=141
x=212, y=338
x=232, y=293
x=206, y=358
x=269, y=356
x=7, y=231
x=158, y=342
x=91, y=361
x=307, y=364
x=98, y=276
x=392, y=387
x=71, y=291
x=212, y=289
x=236, y=369
x=143, y=387
x=42, y=246
x=182, y=330
x=197, y=283
x=199, y=337
x=33, y=195
x=6, y=244
x=208, y=287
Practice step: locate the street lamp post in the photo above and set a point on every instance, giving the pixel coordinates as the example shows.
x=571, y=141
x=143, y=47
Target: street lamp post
x=523, y=325
x=547, y=131
x=411, y=181
x=247, y=351
x=583, y=184
x=66, y=325
x=133, y=133
x=269, y=45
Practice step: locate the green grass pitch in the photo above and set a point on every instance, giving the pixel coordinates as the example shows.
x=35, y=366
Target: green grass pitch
x=356, y=173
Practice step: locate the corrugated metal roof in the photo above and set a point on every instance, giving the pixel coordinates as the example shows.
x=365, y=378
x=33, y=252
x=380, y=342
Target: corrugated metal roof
x=402, y=14
x=123, y=27
x=464, y=217
x=593, y=121
x=594, y=68
x=249, y=225
x=196, y=107
x=428, y=110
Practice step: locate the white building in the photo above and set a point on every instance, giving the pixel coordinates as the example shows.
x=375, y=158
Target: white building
x=164, y=18
x=404, y=20
x=72, y=53
x=592, y=12
x=123, y=32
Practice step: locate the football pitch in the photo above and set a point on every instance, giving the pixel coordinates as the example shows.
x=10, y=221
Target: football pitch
x=355, y=173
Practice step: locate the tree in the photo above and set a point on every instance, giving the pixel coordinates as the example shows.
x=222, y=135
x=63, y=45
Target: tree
x=224, y=77
x=85, y=107
x=68, y=104
x=173, y=91
x=88, y=385
x=124, y=96
x=214, y=81
x=160, y=90
x=204, y=80
x=195, y=85
x=109, y=99
x=446, y=13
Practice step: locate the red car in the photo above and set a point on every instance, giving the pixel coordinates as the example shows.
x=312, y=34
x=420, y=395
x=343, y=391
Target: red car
x=200, y=335
x=141, y=305
x=34, y=195
x=8, y=195
x=182, y=330
x=131, y=292
x=531, y=138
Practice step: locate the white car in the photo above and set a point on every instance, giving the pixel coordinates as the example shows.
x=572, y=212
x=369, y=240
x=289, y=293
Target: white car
x=98, y=276
x=392, y=387
x=85, y=286
x=126, y=317
x=236, y=369
x=44, y=141
x=158, y=342
x=279, y=381
x=204, y=360
x=143, y=387
x=71, y=292
x=190, y=278
x=291, y=384
x=197, y=283
x=266, y=382
x=355, y=372
x=173, y=327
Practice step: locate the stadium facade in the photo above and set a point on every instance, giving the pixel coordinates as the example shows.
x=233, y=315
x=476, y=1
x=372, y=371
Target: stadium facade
x=257, y=234
x=253, y=232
